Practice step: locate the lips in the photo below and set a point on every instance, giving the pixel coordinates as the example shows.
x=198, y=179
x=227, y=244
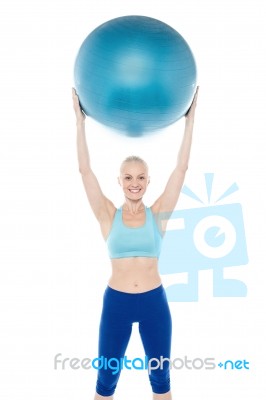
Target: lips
x=134, y=190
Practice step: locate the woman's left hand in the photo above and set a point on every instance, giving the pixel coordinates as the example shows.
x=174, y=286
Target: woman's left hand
x=80, y=115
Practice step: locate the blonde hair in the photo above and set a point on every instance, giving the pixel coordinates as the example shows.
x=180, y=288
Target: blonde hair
x=134, y=159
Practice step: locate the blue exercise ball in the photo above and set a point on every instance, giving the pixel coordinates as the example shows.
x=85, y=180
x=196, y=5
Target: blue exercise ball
x=135, y=74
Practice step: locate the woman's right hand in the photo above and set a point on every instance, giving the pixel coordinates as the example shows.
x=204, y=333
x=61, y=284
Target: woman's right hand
x=76, y=105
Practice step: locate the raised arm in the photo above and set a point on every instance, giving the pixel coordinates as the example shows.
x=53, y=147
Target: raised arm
x=102, y=207
x=168, y=199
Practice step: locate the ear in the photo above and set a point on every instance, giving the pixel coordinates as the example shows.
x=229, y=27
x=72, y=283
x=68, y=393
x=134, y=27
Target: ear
x=118, y=180
x=149, y=180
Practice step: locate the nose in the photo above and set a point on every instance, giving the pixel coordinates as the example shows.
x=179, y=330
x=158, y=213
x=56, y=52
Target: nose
x=134, y=182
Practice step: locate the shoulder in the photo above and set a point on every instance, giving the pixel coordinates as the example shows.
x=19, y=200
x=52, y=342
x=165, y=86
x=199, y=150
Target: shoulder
x=161, y=217
x=152, y=211
x=155, y=208
x=107, y=218
x=107, y=212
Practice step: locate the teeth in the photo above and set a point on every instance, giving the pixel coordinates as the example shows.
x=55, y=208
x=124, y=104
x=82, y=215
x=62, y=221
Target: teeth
x=134, y=190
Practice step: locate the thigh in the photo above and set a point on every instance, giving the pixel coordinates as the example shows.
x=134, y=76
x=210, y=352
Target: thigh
x=115, y=326
x=155, y=327
x=114, y=334
x=156, y=330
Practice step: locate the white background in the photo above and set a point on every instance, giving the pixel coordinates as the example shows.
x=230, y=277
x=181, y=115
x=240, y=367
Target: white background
x=54, y=264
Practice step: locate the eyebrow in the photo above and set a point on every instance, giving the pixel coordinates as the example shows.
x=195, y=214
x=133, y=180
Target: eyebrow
x=126, y=174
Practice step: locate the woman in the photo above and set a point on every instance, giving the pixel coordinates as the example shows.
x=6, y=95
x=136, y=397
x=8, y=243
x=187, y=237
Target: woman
x=134, y=292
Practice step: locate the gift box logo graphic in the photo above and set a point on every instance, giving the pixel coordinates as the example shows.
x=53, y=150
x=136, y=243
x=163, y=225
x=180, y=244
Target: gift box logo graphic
x=208, y=237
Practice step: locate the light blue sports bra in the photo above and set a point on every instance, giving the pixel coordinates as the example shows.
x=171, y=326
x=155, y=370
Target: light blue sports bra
x=126, y=241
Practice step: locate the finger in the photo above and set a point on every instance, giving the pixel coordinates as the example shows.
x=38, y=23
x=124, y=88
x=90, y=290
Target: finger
x=196, y=93
x=75, y=96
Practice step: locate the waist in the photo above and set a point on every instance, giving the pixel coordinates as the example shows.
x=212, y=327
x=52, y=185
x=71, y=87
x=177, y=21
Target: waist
x=149, y=292
x=137, y=274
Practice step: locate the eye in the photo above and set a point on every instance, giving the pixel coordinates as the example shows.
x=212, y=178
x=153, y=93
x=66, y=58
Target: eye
x=127, y=178
x=142, y=177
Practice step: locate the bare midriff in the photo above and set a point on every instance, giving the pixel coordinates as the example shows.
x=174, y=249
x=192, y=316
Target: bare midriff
x=134, y=274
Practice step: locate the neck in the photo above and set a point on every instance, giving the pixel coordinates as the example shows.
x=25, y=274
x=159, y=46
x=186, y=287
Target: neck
x=133, y=206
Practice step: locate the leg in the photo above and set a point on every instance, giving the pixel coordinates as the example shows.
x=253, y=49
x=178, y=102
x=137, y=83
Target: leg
x=165, y=396
x=115, y=331
x=99, y=397
x=155, y=329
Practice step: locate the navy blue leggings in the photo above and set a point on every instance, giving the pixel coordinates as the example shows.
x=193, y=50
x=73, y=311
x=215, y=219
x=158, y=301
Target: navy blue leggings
x=151, y=310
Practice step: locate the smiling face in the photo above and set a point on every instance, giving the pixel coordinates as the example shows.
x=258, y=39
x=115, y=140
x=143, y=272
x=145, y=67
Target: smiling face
x=134, y=179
